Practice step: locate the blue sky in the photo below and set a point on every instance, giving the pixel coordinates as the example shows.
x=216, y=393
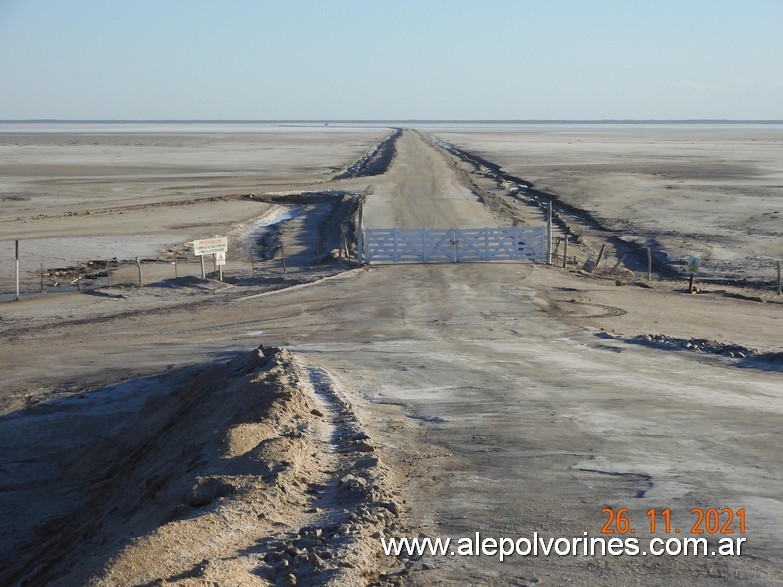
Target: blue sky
x=401, y=59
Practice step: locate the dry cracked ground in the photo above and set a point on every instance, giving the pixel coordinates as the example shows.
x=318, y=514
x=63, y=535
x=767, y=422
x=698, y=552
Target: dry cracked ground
x=391, y=400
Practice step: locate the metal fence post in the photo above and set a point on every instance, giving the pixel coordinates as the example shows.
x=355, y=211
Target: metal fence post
x=549, y=233
x=360, y=236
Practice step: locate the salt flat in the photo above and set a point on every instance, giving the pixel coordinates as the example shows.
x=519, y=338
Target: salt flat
x=715, y=191
x=500, y=398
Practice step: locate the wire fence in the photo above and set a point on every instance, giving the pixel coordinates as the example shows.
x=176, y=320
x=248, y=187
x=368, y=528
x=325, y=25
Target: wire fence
x=42, y=266
x=39, y=277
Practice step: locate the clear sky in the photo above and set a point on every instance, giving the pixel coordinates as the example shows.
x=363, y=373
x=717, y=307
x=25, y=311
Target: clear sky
x=393, y=59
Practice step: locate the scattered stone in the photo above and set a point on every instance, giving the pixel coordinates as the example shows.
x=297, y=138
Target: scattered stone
x=391, y=506
x=352, y=483
x=316, y=560
x=714, y=347
x=207, y=489
x=364, y=447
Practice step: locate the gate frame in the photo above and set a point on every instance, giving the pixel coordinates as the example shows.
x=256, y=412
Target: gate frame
x=426, y=245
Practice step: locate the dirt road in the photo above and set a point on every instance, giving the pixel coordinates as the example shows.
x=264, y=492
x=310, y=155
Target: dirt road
x=421, y=190
x=499, y=412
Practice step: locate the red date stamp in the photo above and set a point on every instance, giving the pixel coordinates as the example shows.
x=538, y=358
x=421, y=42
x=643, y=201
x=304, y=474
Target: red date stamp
x=702, y=521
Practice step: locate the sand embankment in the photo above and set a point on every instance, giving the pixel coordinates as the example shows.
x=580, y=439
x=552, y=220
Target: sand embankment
x=254, y=470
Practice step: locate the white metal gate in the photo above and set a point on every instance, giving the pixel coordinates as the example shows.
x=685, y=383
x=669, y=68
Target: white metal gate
x=453, y=245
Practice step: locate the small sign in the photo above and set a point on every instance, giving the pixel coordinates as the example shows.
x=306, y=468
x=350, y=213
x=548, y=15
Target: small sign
x=210, y=246
x=220, y=258
x=694, y=264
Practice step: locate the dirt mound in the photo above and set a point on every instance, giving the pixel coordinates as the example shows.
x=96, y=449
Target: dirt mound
x=709, y=346
x=376, y=161
x=252, y=471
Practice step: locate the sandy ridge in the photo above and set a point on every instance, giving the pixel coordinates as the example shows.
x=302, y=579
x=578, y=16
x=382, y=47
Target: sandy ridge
x=255, y=471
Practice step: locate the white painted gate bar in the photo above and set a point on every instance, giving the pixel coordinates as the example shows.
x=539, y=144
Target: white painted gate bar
x=423, y=245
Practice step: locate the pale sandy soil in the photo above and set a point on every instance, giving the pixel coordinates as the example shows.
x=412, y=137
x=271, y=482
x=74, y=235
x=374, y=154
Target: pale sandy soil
x=439, y=399
x=97, y=195
x=712, y=192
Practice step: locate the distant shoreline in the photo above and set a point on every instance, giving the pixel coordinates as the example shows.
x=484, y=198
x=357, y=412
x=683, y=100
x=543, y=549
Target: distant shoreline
x=387, y=121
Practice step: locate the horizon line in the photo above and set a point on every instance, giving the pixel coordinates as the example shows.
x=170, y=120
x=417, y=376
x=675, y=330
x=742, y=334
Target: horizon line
x=406, y=120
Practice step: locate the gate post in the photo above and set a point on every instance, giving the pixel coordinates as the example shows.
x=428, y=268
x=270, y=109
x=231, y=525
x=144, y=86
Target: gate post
x=360, y=236
x=549, y=233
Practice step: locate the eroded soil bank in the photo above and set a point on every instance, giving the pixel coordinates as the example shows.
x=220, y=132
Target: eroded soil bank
x=252, y=470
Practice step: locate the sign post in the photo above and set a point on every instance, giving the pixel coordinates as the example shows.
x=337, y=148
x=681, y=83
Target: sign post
x=220, y=259
x=210, y=246
x=694, y=263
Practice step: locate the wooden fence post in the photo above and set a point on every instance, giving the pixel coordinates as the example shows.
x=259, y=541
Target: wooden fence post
x=345, y=242
x=565, y=252
x=616, y=265
x=17, y=271
x=600, y=255
x=141, y=280
x=41, y=277
x=649, y=264
x=779, y=284
x=557, y=247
